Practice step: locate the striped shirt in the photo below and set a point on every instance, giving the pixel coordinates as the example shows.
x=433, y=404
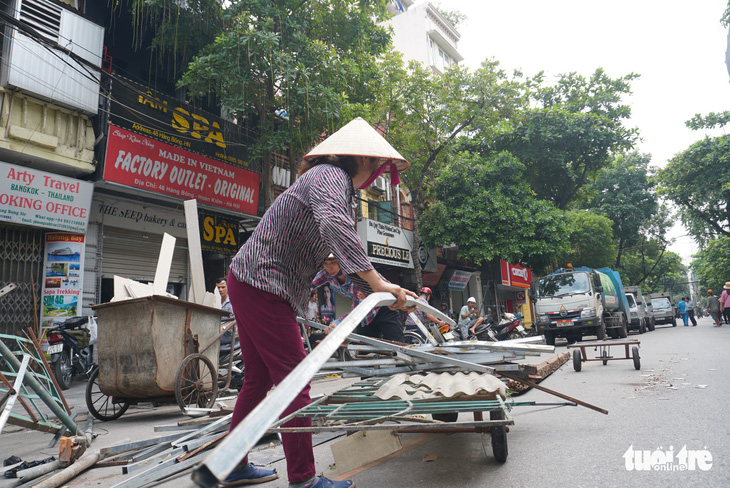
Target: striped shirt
x=313, y=217
x=347, y=289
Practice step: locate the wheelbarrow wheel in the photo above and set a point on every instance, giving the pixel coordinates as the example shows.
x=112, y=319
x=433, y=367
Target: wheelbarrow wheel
x=101, y=405
x=635, y=355
x=196, y=383
x=577, y=363
x=499, y=437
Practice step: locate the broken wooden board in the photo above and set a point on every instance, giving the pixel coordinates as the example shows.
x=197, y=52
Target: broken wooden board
x=164, y=262
x=361, y=448
x=538, y=372
x=195, y=255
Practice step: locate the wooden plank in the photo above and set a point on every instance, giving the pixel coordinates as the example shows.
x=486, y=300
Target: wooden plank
x=164, y=262
x=364, y=447
x=195, y=255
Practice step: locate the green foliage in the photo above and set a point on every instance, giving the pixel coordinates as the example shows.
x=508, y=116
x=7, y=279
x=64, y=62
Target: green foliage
x=698, y=182
x=288, y=69
x=570, y=132
x=590, y=238
x=455, y=17
x=622, y=193
x=650, y=266
x=712, y=265
x=712, y=120
x=487, y=209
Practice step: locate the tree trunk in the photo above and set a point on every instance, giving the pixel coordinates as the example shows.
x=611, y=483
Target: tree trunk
x=416, y=210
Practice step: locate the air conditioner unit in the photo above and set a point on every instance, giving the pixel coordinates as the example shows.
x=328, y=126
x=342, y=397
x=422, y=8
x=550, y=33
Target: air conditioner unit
x=380, y=184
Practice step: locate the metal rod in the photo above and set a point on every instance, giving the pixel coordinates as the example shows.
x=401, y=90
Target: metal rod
x=553, y=392
x=41, y=392
x=37, y=345
x=14, y=395
x=223, y=460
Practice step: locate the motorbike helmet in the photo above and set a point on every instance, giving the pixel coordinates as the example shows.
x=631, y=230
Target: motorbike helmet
x=426, y=290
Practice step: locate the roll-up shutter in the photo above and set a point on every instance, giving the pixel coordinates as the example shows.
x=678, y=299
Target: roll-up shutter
x=134, y=255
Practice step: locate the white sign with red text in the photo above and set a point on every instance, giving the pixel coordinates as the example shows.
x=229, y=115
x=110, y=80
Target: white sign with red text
x=40, y=199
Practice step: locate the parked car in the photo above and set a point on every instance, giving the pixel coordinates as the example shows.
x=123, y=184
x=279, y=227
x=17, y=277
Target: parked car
x=639, y=317
x=663, y=309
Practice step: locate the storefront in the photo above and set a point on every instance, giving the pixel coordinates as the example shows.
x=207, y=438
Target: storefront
x=511, y=293
x=155, y=158
x=43, y=224
x=389, y=249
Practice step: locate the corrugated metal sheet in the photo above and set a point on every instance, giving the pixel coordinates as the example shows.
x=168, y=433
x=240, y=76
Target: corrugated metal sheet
x=445, y=385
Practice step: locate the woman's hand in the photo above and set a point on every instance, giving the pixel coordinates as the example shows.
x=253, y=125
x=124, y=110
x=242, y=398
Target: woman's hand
x=400, y=294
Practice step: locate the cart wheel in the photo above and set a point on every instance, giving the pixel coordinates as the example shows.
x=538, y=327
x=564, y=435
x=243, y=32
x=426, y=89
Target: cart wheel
x=576, y=360
x=499, y=437
x=446, y=416
x=635, y=355
x=604, y=355
x=100, y=405
x=196, y=383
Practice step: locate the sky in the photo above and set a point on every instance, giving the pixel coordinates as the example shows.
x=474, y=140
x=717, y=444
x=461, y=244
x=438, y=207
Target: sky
x=678, y=48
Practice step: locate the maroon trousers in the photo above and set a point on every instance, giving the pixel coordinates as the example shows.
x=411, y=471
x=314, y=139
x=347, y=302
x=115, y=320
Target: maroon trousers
x=271, y=344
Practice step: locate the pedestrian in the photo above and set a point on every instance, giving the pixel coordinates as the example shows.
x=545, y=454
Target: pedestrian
x=713, y=307
x=381, y=322
x=222, y=287
x=468, y=315
x=424, y=297
x=691, y=311
x=271, y=274
x=682, y=306
x=725, y=302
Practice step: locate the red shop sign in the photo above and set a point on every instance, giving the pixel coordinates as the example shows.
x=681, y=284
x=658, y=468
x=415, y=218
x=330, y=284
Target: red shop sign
x=515, y=275
x=136, y=161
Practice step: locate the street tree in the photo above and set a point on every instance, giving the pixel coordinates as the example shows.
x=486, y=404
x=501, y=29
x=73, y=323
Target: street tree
x=590, y=240
x=434, y=112
x=697, y=180
x=288, y=70
x=654, y=268
x=486, y=207
x=570, y=132
x=712, y=264
x=622, y=192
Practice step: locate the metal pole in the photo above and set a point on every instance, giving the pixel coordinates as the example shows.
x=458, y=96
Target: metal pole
x=16, y=391
x=40, y=391
x=223, y=460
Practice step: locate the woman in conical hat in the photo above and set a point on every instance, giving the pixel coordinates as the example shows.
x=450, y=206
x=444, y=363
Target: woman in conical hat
x=270, y=277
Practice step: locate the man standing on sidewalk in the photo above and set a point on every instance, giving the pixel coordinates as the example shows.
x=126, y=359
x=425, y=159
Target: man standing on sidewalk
x=691, y=311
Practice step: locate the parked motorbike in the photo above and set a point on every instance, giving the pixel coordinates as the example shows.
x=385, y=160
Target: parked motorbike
x=510, y=327
x=226, y=354
x=70, y=349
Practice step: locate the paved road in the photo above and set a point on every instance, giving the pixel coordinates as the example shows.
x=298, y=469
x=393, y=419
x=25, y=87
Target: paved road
x=678, y=400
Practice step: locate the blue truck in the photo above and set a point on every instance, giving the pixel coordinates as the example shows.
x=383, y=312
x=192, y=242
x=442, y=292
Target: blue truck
x=573, y=302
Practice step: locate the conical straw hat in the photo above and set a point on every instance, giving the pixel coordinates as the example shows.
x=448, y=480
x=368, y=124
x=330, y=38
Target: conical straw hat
x=358, y=138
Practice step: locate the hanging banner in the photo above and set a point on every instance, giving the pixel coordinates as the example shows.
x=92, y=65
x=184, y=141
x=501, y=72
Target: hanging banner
x=459, y=280
x=144, y=163
x=32, y=197
x=515, y=275
x=63, y=272
x=218, y=233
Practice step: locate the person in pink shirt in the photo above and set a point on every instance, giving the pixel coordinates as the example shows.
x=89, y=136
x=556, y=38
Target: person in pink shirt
x=725, y=302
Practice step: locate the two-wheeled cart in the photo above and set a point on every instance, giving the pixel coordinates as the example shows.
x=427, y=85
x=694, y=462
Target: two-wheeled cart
x=154, y=349
x=357, y=408
x=580, y=355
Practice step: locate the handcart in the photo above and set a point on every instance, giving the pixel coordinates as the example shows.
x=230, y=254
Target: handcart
x=356, y=408
x=604, y=347
x=150, y=350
